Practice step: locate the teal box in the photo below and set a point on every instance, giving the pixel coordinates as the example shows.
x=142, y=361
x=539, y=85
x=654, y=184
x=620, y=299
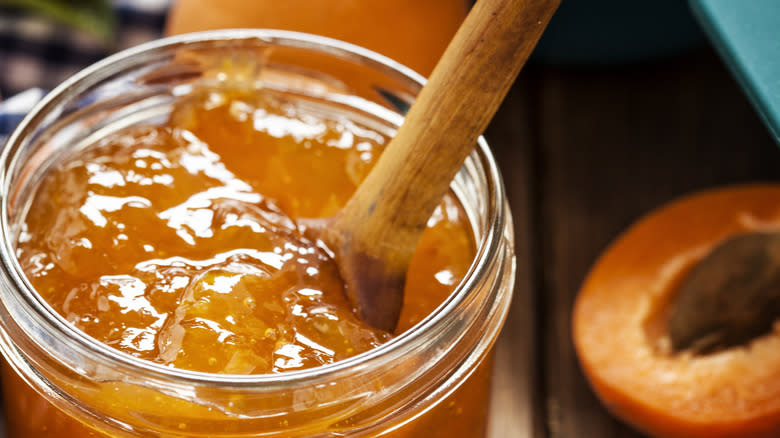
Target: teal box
x=747, y=35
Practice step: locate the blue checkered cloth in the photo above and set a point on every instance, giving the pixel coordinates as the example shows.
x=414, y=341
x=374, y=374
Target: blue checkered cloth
x=14, y=109
x=38, y=52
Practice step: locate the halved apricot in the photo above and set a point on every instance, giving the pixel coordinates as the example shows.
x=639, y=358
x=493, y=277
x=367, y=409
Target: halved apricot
x=620, y=317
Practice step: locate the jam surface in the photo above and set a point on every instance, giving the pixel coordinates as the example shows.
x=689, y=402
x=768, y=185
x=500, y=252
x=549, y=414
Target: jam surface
x=181, y=243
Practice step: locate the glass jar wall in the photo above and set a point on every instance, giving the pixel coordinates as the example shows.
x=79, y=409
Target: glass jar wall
x=432, y=380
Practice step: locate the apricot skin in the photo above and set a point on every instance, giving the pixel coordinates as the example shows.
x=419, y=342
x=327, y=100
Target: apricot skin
x=618, y=326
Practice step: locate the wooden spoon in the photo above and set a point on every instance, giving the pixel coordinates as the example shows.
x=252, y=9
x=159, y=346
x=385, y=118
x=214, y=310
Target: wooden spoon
x=374, y=236
x=731, y=296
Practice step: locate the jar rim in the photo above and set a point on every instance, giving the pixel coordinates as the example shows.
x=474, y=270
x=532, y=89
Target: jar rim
x=485, y=257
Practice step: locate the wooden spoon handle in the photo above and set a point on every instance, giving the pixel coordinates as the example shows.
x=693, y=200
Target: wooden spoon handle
x=378, y=229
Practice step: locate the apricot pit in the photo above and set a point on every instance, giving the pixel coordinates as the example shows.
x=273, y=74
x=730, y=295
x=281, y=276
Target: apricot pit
x=621, y=325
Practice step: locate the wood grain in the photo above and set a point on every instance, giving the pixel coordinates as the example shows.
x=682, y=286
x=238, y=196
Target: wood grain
x=375, y=234
x=615, y=144
x=516, y=385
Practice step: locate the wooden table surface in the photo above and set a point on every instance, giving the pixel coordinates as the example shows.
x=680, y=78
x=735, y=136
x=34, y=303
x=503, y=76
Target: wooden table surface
x=584, y=153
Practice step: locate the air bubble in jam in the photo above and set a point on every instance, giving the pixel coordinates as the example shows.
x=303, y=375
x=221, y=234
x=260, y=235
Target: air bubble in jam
x=180, y=244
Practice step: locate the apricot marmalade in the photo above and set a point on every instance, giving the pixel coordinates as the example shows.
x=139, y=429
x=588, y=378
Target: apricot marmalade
x=179, y=244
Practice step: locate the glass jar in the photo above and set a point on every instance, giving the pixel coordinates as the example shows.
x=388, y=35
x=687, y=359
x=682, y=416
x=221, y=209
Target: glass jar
x=431, y=381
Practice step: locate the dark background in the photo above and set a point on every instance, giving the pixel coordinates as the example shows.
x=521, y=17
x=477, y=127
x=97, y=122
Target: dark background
x=592, y=136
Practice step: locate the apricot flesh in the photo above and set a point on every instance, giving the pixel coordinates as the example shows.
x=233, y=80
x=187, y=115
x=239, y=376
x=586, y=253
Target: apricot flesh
x=619, y=325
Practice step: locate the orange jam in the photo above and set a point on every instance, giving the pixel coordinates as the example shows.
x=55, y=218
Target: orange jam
x=181, y=244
